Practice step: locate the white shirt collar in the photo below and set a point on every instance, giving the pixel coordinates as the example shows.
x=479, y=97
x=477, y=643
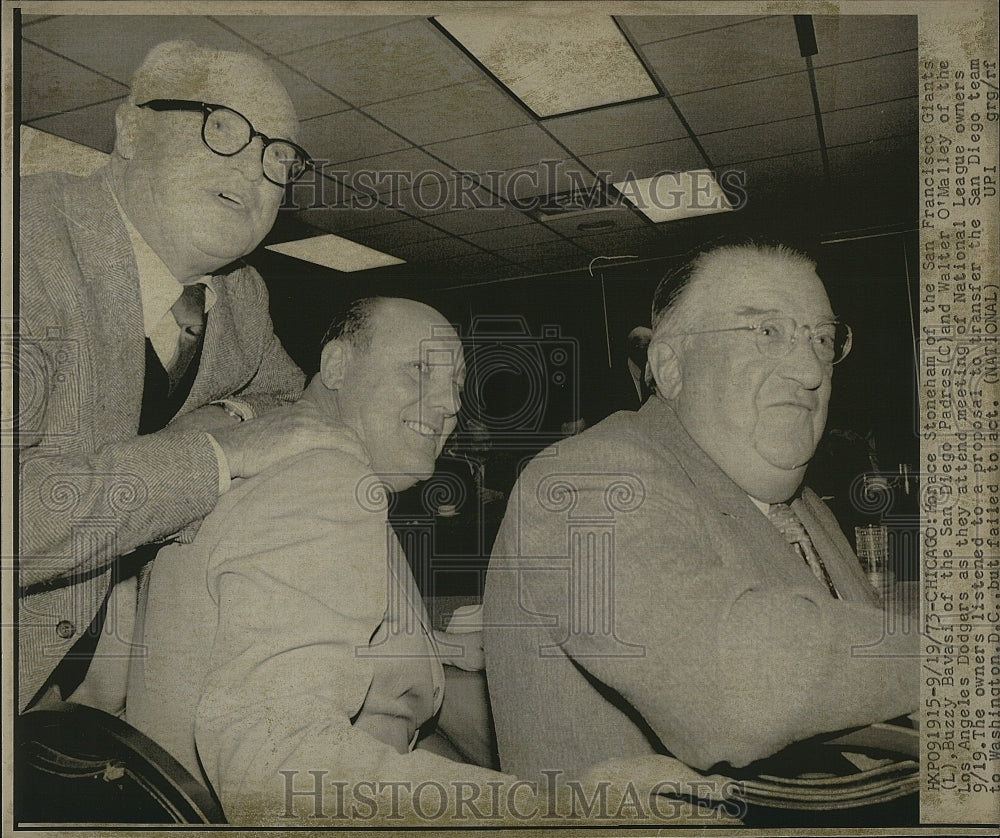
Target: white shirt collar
x=158, y=288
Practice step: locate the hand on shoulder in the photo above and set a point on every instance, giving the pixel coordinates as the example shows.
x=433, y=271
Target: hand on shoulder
x=259, y=443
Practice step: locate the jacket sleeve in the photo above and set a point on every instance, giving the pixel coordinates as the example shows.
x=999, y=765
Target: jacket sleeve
x=84, y=503
x=79, y=510
x=300, y=584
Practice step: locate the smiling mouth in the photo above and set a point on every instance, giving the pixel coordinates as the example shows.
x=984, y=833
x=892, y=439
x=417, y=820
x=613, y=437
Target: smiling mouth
x=421, y=428
x=799, y=405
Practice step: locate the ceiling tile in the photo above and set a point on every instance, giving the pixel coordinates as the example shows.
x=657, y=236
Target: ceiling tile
x=768, y=140
x=288, y=226
x=847, y=37
x=394, y=171
x=437, y=249
x=400, y=234
x=433, y=197
x=499, y=150
x=620, y=242
x=475, y=267
x=386, y=64
x=93, y=126
x=511, y=237
x=619, y=126
x=870, y=122
x=866, y=82
x=559, y=250
x=646, y=29
x=310, y=99
x=457, y=111
x=315, y=191
x=346, y=136
x=280, y=34
x=761, y=176
x=647, y=160
x=116, y=44
x=40, y=151
x=463, y=222
x=765, y=100
x=745, y=52
x=340, y=218
x=896, y=154
x=51, y=84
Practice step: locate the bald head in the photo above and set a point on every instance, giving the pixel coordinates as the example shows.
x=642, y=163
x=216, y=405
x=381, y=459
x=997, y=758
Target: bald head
x=392, y=370
x=186, y=70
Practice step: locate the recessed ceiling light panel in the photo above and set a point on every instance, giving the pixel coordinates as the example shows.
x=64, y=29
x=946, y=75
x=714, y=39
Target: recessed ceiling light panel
x=556, y=63
x=668, y=196
x=335, y=252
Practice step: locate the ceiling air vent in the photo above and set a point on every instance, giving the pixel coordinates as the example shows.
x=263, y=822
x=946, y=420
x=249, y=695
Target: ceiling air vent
x=576, y=203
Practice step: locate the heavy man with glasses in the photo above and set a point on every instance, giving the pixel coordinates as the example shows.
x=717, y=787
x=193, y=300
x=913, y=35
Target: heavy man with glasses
x=148, y=361
x=642, y=595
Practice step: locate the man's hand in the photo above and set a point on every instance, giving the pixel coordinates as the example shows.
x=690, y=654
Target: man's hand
x=254, y=445
x=210, y=418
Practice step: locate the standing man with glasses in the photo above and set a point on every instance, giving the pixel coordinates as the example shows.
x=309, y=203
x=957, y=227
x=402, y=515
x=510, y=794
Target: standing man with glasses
x=147, y=357
x=646, y=593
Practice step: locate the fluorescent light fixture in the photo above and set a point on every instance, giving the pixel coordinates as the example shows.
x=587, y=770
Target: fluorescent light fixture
x=555, y=64
x=44, y=152
x=668, y=196
x=335, y=252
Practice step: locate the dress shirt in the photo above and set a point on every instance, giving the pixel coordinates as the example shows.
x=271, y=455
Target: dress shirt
x=158, y=291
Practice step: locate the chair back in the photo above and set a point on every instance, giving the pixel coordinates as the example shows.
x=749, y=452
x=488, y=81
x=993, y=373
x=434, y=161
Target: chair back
x=79, y=765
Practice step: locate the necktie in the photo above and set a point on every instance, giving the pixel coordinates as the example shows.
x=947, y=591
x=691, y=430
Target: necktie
x=785, y=519
x=189, y=312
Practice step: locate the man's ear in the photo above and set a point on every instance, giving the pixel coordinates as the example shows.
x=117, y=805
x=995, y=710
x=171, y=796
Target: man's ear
x=126, y=129
x=665, y=365
x=333, y=364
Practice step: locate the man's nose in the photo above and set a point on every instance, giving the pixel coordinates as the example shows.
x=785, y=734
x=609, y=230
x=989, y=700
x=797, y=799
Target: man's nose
x=250, y=161
x=444, y=395
x=802, y=364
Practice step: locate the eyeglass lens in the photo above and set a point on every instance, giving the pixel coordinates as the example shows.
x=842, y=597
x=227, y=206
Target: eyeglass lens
x=828, y=340
x=227, y=132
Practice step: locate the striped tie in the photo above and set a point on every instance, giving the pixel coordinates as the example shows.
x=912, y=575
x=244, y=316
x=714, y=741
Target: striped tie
x=189, y=312
x=785, y=519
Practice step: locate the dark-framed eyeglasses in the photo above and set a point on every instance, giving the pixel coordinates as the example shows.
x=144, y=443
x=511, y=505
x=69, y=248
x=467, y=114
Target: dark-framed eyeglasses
x=227, y=132
x=775, y=337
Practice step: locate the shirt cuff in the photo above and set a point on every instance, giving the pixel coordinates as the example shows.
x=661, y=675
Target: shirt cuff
x=236, y=408
x=220, y=457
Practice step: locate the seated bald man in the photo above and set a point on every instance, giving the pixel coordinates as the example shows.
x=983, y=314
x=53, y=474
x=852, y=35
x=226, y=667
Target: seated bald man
x=290, y=634
x=642, y=596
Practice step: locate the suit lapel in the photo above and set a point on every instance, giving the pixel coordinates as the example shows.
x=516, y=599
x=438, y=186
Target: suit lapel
x=737, y=512
x=221, y=355
x=111, y=281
